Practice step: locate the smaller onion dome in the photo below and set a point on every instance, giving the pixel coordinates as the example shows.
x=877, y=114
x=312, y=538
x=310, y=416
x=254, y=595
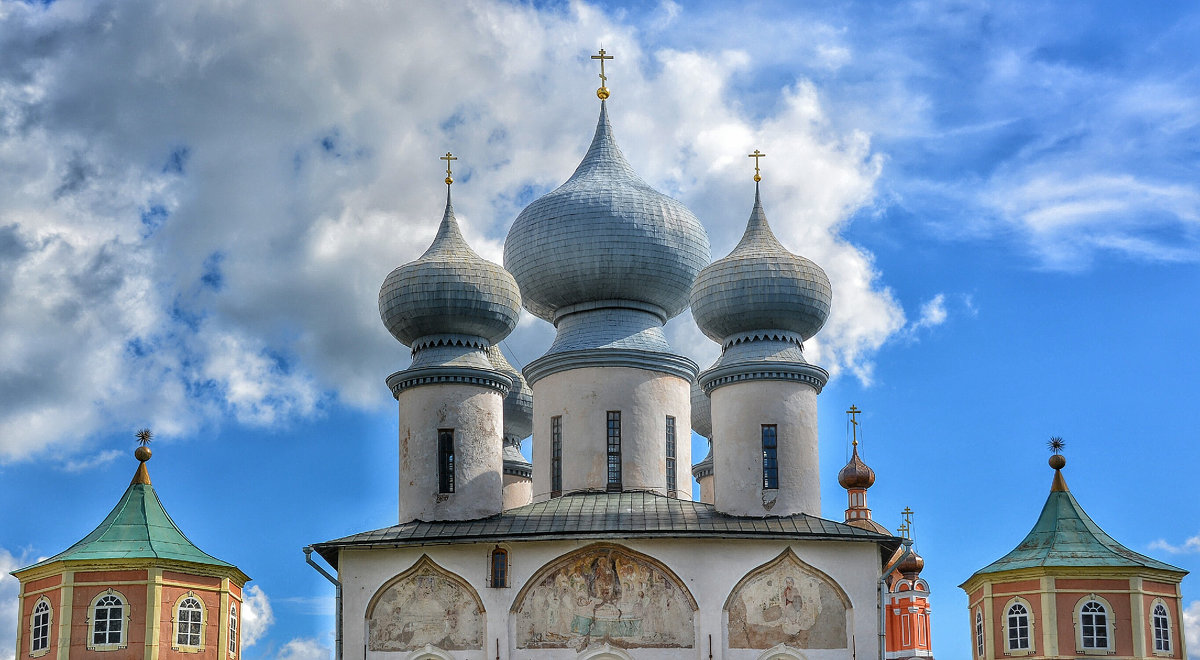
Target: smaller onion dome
x=760, y=286
x=449, y=290
x=518, y=403
x=701, y=412
x=912, y=565
x=856, y=474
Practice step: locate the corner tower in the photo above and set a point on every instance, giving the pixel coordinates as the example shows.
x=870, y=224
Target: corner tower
x=761, y=303
x=608, y=260
x=450, y=306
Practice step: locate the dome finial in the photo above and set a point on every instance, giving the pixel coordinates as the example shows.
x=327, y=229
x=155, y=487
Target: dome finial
x=1058, y=462
x=448, y=157
x=142, y=476
x=856, y=474
x=756, y=155
x=602, y=92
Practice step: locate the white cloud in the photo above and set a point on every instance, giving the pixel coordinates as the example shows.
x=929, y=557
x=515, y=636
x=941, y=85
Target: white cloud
x=85, y=463
x=257, y=616
x=933, y=313
x=9, y=588
x=1190, y=545
x=1191, y=628
x=302, y=648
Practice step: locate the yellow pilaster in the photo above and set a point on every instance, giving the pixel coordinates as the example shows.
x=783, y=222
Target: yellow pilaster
x=20, y=619
x=223, y=621
x=66, y=613
x=153, y=612
x=1137, y=611
x=989, y=635
x=1049, y=618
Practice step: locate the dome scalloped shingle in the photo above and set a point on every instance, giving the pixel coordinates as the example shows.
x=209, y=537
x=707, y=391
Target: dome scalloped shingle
x=605, y=235
x=449, y=290
x=759, y=286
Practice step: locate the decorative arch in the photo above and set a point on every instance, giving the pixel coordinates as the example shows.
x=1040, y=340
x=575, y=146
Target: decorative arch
x=109, y=618
x=788, y=602
x=1018, y=626
x=1095, y=626
x=781, y=652
x=606, y=593
x=188, y=616
x=426, y=606
x=430, y=652
x=40, y=624
x=1160, y=627
x=604, y=652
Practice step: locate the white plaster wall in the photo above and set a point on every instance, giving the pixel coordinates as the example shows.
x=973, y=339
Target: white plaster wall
x=738, y=412
x=709, y=568
x=476, y=415
x=706, y=489
x=583, y=398
x=518, y=491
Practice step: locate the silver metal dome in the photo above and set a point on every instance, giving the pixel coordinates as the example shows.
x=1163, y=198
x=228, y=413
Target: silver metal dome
x=605, y=235
x=701, y=412
x=449, y=290
x=518, y=404
x=760, y=286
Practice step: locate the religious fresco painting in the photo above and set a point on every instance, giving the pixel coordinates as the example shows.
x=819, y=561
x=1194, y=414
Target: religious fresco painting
x=426, y=605
x=785, y=601
x=604, y=594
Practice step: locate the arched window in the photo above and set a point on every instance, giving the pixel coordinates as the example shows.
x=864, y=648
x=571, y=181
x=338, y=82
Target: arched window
x=1093, y=625
x=233, y=629
x=108, y=620
x=979, y=633
x=498, y=568
x=1018, y=627
x=188, y=619
x=39, y=624
x=1162, y=628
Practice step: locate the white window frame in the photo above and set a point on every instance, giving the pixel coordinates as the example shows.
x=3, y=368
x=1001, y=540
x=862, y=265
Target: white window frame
x=1110, y=627
x=176, y=621
x=34, y=650
x=233, y=630
x=979, y=646
x=1165, y=618
x=1006, y=626
x=125, y=618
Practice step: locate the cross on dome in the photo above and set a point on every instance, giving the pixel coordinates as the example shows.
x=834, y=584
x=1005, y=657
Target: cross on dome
x=756, y=155
x=602, y=93
x=448, y=157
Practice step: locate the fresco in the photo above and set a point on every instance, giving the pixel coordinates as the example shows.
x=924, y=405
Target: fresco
x=787, y=602
x=604, y=594
x=427, y=605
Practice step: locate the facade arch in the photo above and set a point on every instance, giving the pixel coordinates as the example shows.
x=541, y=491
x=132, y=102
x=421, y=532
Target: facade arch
x=634, y=601
x=1095, y=629
x=1017, y=627
x=788, y=602
x=604, y=652
x=426, y=606
x=781, y=652
x=429, y=652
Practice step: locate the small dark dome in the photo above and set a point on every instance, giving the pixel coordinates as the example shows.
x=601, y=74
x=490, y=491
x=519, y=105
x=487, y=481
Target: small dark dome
x=912, y=565
x=1058, y=461
x=856, y=474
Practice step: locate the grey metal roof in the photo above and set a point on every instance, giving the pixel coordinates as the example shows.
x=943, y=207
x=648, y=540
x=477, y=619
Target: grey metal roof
x=760, y=285
x=605, y=515
x=518, y=403
x=449, y=290
x=605, y=234
x=701, y=413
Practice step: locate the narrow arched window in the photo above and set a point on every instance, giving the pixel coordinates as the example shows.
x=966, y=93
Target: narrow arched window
x=1162, y=629
x=499, y=568
x=1093, y=625
x=108, y=621
x=40, y=627
x=188, y=618
x=233, y=629
x=1018, y=628
x=770, y=453
x=979, y=633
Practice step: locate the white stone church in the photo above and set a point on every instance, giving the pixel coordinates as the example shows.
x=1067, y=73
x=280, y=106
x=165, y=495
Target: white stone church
x=596, y=549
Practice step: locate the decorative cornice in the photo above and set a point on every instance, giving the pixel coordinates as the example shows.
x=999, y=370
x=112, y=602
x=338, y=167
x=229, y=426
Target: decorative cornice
x=676, y=365
x=409, y=378
x=763, y=335
x=809, y=374
x=429, y=341
x=702, y=469
x=610, y=304
x=518, y=469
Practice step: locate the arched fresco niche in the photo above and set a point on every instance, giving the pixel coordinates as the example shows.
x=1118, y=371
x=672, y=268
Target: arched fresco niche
x=425, y=606
x=787, y=602
x=608, y=594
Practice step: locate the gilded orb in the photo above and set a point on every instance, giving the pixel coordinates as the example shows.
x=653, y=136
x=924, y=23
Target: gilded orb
x=1058, y=461
x=142, y=454
x=602, y=93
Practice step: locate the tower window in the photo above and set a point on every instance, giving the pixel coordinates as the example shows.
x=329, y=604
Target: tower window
x=1093, y=625
x=614, y=451
x=233, y=629
x=499, y=568
x=40, y=638
x=556, y=456
x=1162, y=629
x=188, y=618
x=770, y=449
x=670, y=455
x=1018, y=628
x=108, y=621
x=445, y=460
x=979, y=633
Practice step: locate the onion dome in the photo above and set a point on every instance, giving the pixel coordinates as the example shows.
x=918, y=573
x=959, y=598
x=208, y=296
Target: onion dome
x=856, y=474
x=701, y=412
x=518, y=403
x=605, y=235
x=912, y=565
x=760, y=286
x=449, y=290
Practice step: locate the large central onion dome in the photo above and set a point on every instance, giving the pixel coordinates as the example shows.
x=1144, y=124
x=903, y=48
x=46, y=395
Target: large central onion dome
x=449, y=290
x=760, y=286
x=605, y=235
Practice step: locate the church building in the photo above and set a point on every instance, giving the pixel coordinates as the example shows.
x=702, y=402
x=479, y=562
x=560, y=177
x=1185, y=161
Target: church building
x=596, y=549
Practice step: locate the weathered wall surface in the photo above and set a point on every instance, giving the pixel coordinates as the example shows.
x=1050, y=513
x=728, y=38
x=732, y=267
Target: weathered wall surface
x=787, y=602
x=426, y=606
x=518, y=491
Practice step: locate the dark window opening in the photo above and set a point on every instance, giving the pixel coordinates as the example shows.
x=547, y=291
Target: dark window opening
x=614, y=451
x=670, y=455
x=770, y=449
x=445, y=460
x=499, y=577
x=555, y=456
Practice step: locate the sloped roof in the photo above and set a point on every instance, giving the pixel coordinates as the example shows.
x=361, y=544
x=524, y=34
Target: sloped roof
x=605, y=515
x=1066, y=536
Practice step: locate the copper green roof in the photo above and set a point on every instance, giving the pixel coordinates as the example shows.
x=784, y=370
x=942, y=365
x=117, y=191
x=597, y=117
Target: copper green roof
x=1065, y=536
x=137, y=528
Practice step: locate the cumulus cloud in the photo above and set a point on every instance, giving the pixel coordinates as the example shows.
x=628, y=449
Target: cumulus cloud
x=1191, y=628
x=933, y=313
x=303, y=648
x=1192, y=544
x=9, y=588
x=198, y=203
x=85, y=463
x=257, y=616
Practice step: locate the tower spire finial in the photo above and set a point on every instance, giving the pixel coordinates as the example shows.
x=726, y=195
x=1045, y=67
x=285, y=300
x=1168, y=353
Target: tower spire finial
x=853, y=412
x=756, y=155
x=907, y=527
x=1058, y=462
x=142, y=453
x=602, y=92
x=448, y=157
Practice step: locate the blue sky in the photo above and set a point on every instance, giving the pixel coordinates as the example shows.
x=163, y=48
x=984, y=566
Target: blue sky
x=199, y=203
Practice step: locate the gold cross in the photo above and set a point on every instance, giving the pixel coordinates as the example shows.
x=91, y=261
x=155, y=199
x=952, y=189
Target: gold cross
x=903, y=530
x=602, y=93
x=756, y=155
x=853, y=412
x=448, y=157
x=907, y=513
